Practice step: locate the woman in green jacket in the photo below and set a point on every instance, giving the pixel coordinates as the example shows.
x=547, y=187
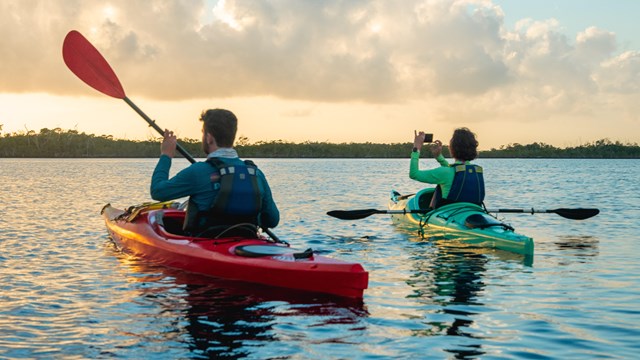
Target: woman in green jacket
x=461, y=181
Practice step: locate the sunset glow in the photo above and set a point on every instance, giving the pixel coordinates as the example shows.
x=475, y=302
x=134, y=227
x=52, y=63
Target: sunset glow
x=335, y=71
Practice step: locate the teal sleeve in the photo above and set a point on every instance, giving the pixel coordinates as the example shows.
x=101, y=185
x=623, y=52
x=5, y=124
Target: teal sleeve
x=165, y=189
x=270, y=215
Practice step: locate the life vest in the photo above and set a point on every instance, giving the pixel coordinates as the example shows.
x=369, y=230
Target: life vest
x=238, y=199
x=467, y=186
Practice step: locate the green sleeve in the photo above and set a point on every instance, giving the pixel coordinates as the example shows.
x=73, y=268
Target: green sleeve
x=442, y=161
x=439, y=175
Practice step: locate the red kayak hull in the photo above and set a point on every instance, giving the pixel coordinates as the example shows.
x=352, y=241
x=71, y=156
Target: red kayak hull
x=147, y=238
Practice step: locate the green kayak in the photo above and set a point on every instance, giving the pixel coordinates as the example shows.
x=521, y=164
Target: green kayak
x=466, y=222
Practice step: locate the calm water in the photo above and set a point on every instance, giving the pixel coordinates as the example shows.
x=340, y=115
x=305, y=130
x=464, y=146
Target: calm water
x=66, y=293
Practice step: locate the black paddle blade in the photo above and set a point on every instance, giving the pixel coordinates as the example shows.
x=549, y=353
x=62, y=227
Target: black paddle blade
x=576, y=214
x=353, y=214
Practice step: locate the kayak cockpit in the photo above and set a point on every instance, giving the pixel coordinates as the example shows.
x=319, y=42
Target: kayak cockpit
x=171, y=222
x=482, y=221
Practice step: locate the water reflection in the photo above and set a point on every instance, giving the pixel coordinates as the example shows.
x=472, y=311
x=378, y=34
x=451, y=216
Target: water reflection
x=450, y=278
x=579, y=246
x=227, y=319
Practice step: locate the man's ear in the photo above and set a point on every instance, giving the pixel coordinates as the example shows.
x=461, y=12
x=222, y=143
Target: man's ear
x=210, y=139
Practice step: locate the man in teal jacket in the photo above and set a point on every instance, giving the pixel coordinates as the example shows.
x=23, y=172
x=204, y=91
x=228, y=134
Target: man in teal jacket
x=217, y=196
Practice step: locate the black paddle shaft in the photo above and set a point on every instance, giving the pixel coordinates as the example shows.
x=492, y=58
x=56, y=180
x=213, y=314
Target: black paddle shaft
x=153, y=124
x=573, y=214
x=361, y=214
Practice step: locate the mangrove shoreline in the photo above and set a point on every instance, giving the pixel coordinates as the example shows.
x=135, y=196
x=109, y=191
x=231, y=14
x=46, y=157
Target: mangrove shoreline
x=58, y=143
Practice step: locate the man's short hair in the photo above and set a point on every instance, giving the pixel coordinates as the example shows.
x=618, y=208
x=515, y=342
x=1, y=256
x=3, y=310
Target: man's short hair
x=221, y=124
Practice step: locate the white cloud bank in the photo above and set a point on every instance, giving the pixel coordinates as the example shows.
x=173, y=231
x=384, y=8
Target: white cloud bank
x=445, y=53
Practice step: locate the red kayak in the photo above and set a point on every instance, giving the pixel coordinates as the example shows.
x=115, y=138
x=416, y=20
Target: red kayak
x=150, y=232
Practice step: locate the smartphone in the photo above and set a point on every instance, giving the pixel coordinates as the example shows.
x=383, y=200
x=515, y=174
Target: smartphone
x=428, y=138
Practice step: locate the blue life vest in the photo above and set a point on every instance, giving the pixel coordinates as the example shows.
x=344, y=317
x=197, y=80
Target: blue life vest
x=239, y=193
x=467, y=186
x=239, y=199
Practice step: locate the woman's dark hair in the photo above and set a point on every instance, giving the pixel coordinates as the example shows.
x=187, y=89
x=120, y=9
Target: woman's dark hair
x=221, y=124
x=464, y=145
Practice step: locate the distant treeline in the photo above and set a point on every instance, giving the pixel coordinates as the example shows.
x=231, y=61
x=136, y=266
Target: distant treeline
x=58, y=143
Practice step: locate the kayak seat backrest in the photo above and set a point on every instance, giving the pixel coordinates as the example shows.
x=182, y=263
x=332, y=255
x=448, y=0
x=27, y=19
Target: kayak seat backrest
x=424, y=202
x=171, y=224
x=271, y=250
x=479, y=221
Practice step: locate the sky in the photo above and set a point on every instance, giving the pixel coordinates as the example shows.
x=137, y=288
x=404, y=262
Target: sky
x=560, y=72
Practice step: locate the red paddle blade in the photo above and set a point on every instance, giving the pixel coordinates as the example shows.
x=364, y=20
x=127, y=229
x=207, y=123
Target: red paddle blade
x=84, y=60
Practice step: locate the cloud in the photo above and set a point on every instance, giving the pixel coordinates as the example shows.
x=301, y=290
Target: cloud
x=620, y=74
x=329, y=51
